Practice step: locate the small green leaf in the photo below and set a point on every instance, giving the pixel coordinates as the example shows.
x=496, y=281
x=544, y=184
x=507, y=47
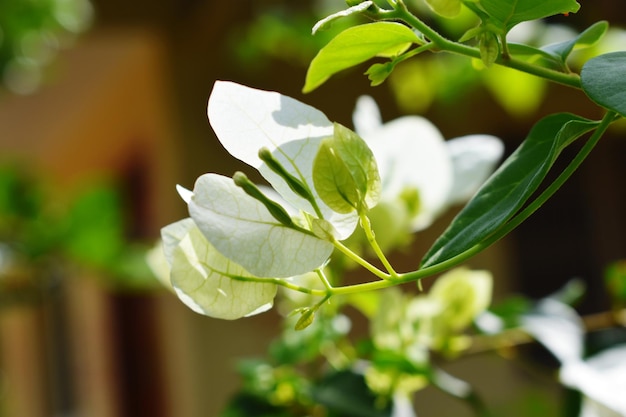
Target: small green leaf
x=378, y=73
x=445, y=8
x=510, y=186
x=356, y=45
x=586, y=38
x=509, y=13
x=603, y=79
x=345, y=174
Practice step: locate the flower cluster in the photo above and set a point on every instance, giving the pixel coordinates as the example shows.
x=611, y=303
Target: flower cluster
x=224, y=261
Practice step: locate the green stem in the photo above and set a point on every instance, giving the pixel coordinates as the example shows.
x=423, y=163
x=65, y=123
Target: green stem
x=322, y=276
x=500, y=233
x=444, y=44
x=356, y=258
x=283, y=283
x=371, y=238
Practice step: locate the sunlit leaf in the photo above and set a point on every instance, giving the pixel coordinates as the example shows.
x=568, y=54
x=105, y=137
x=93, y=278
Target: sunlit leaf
x=510, y=186
x=586, y=38
x=603, y=79
x=511, y=12
x=356, y=45
x=445, y=8
x=345, y=172
x=242, y=229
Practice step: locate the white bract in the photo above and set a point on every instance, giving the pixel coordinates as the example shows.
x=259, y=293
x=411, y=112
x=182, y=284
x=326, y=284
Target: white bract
x=602, y=380
x=412, y=155
x=217, y=257
x=224, y=260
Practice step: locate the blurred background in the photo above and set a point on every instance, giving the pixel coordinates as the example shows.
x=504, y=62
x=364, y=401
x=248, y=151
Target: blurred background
x=103, y=112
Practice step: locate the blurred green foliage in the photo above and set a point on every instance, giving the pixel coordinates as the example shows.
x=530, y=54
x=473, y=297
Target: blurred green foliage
x=31, y=34
x=43, y=233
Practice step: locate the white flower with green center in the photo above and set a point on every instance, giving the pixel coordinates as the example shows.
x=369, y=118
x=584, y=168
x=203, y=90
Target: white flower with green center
x=239, y=238
x=414, y=159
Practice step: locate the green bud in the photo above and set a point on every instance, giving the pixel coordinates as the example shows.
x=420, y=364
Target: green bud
x=489, y=48
x=306, y=318
x=275, y=209
x=294, y=183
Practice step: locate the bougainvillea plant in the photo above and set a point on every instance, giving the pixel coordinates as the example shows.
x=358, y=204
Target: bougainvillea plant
x=337, y=197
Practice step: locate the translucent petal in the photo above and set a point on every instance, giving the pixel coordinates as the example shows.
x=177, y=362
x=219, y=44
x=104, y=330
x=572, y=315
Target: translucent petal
x=366, y=116
x=202, y=279
x=474, y=158
x=246, y=119
x=172, y=234
x=242, y=229
x=297, y=157
x=411, y=154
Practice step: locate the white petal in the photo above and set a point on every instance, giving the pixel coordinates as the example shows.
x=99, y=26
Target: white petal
x=411, y=153
x=201, y=277
x=474, y=158
x=184, y=193
x=242, y=229
x=558, y=327
x=172, y=234
x=246, y=119
x=602, y=379
x=366, y=116
x=297, y=157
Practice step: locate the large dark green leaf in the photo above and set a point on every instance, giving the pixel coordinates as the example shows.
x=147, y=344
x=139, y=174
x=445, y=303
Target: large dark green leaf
x=604, y=80
x=510, y=186
x=509, y=13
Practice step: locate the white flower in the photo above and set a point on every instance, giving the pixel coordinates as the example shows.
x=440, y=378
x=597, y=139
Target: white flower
x=602, y=380
x=232, y=241
x=412, y=155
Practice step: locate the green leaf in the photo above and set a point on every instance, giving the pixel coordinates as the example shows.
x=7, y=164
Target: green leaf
x=586, y=38
x=445, y=8
x=510, y=186
x=345, y=393
x=345, y=174
x=509, y=13
x=378, y=73
x=603, y=79
x=356, y=45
